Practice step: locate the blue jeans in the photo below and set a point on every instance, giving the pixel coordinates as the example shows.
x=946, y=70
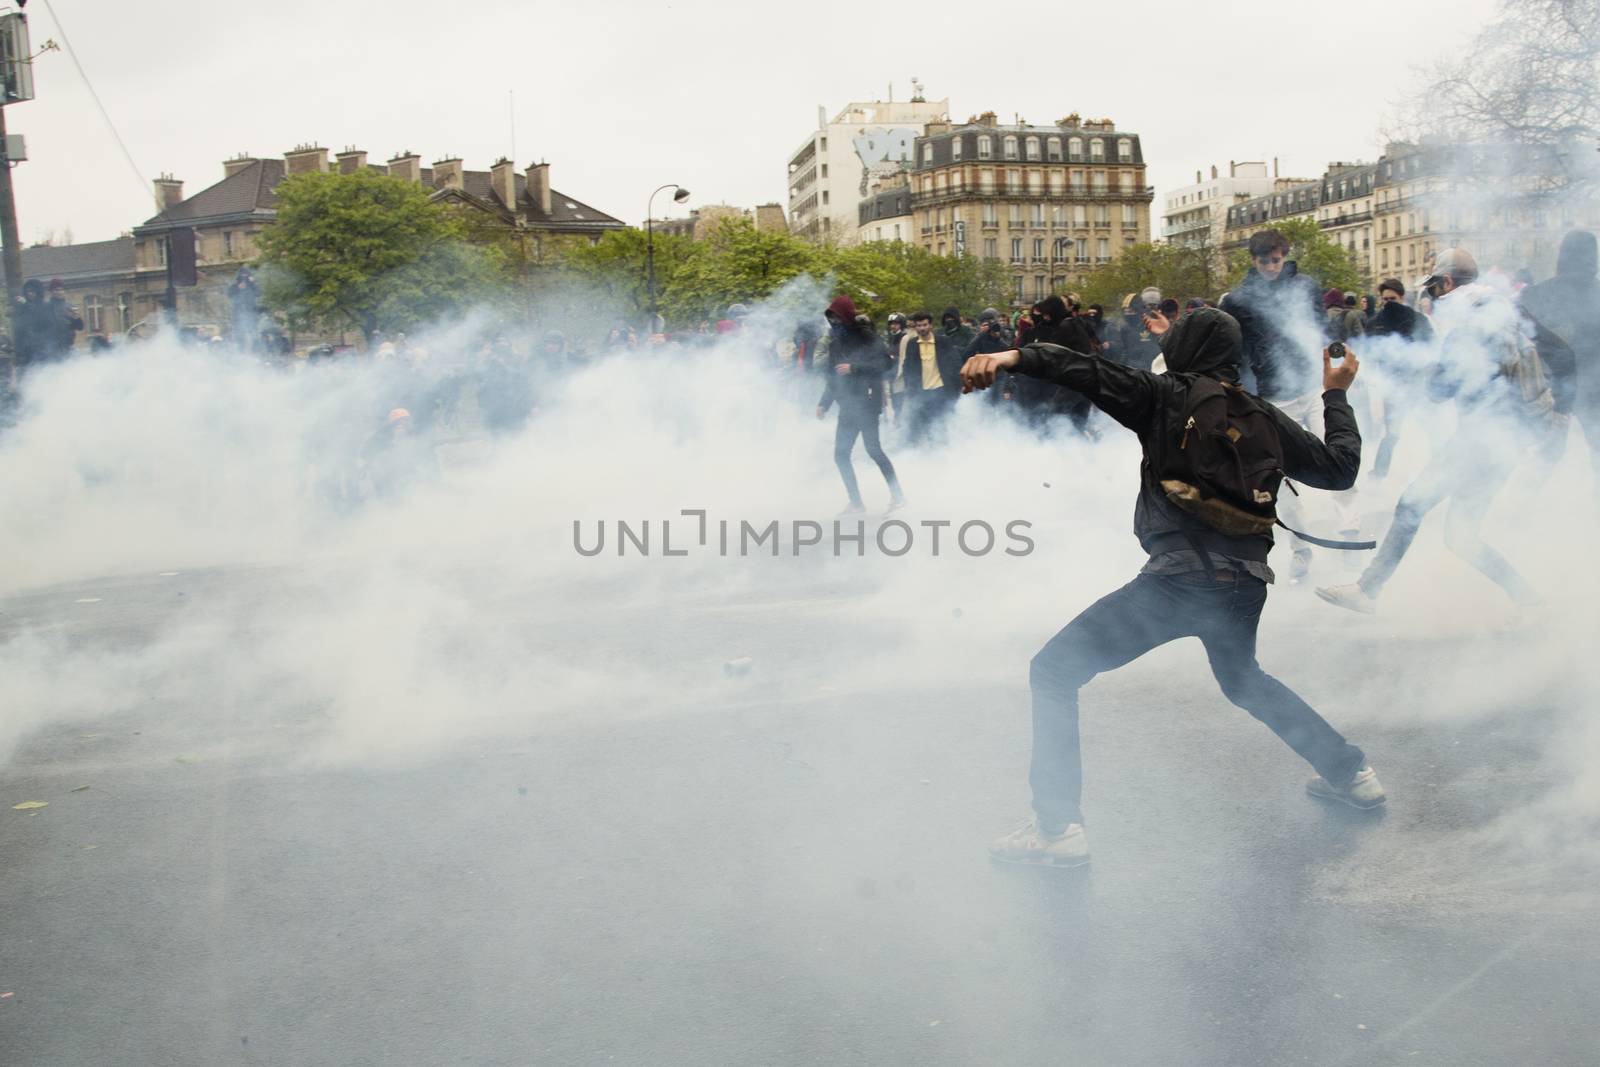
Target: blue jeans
x=1122, y=626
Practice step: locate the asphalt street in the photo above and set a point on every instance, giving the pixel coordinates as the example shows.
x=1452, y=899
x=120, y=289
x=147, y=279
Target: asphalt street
x=788, y=872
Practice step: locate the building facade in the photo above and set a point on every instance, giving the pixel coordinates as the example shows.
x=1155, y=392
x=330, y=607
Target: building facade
x=885, y=215
x=703, y=220
x=1051, y=202
x=1196, y=215
x=832, y=171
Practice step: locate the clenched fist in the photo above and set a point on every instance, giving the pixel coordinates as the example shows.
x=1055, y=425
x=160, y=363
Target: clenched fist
x=979, y=371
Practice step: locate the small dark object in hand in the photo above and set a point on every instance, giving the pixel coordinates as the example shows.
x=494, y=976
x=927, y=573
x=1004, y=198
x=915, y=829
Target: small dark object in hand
x=1336, y=351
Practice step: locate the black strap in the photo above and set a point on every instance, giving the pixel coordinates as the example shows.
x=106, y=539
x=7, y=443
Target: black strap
x=1205, y=557
x=1320, y=542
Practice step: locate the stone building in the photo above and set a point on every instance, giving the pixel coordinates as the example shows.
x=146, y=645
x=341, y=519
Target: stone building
x=885, y=215
x=832, y=172
x=119, y=284
x=1196, y=215
x=766, y=218
x=1052, y=202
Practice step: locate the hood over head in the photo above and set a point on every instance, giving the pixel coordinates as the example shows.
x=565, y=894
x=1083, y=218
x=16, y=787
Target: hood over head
x=1578, y=257
x=988, y=315
x=951, y=314
x=1205, y=341
x=1332, y=298
x=1054, y=309
x=843, y=309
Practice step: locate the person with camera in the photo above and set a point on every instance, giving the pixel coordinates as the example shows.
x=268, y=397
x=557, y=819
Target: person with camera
x=1280, y=314
x=857, y=365
x=992, y=335
x=1489, y=365
x=1207, y=572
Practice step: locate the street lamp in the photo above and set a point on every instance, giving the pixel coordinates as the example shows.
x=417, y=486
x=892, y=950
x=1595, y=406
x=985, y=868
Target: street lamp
x=679, y=196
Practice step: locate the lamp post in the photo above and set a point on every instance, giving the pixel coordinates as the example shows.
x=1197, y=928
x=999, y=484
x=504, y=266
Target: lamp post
x=679, y=196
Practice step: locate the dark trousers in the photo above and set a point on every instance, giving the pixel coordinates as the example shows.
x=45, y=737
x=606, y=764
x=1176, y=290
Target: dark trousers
x=860, y=419
x=926, y=409
x=1468, y=471
x=1122, y=626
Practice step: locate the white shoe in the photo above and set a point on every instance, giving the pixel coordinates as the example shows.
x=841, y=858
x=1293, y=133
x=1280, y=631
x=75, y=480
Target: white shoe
x=1350, y=596
x=1364, y=791
x=1029, y=845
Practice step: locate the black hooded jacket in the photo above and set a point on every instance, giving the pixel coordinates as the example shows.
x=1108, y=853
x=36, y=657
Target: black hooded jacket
x=1266, y=312
x=1206, y=343
x=1568, y=306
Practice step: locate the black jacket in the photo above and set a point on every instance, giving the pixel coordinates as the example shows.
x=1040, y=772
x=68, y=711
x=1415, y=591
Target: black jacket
x=947, y=351
x=1268, y=313
x=869, y=361
x=1567, y=309
x=1394, y=319
x=1204, y=342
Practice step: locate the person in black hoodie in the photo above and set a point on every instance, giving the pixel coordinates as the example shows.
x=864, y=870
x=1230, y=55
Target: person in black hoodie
x=1054, y=323
x=857, y=363
x=1568, y=306
x=1217, y=597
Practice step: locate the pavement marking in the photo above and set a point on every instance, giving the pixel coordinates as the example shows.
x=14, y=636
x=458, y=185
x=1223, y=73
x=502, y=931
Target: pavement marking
x=87, y=600
x=30, y=805
x=170, y=574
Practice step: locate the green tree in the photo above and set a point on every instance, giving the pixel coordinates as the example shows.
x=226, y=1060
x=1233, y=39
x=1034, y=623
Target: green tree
x=1326, y=262
x=736, y=263
x=1178, y=271
x=371, y=251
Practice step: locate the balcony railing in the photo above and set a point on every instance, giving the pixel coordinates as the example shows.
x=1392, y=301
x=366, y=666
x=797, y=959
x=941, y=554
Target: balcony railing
x=1346, y=220
x=1019, y=191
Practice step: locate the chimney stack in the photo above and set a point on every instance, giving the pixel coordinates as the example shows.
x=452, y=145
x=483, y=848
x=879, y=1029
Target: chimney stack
x=406, y=166
x=1274, y=166
x=242, y=161
x=503, y=182
x=447, y=174
x=539, y=186
x=307, y=159
x=169, y=192
x=1213, y=172
x=351, y=160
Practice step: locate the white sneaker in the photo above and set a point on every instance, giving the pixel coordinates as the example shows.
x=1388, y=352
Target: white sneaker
x=1029, y=845
x=1364, y=791
x=1350, y=596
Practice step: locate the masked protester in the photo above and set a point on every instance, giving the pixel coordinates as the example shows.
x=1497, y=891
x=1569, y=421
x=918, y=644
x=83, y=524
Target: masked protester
x=1568, y=306
x=957, y=332
x=1054, y=323
x=1398, y=322
x=992, y=335
x=1128, y=342
x=1281, y=316
x=1198, y=581
x=857, y=364
x=1482, y=343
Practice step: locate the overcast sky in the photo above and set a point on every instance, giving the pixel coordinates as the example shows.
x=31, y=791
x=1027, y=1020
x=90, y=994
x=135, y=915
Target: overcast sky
x=621, y=97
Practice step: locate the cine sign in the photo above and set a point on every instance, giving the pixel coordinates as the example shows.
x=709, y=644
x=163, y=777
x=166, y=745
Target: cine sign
x=16, y=59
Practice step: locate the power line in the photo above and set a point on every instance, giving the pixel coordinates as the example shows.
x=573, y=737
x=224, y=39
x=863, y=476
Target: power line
x=73, y=55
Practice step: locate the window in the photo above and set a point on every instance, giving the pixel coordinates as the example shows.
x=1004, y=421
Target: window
x=161, y=252
x=989, y=217
x=124, y=310
x=1016, y=250
x=1102, y=249
x=1036, y=215
x=1098, y=178
x=1015, y=215
x=1039, y=291
x=927, y=152
x=1125, y=151
x=1035, y=182
x=1080, y=216
x=1081, y=249
x=991, y=248
x=985, y=147
x=955, y=148
x=897, y=231
x=1130, y=216
x=955, y=180
x=1052, y=150
x=1038, y=249
x=1383, y=229
x=92, y=309
x=227, y=244
x=824, y=196
x=1019, y=289
x=986, y=179
x=1075, y=150
x=1102, y=215
x=1411, y=255
x=1010, y=147
x=941, y=248
x=1013, y=180
x=1057, y=182
x=938, y=181
x=824, y=170
x=1097, y=151
x=1127, y=181
x=1031, y=148
x=824, y=144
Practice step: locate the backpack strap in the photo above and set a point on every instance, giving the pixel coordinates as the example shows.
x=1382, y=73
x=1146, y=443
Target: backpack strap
x=1322, y=542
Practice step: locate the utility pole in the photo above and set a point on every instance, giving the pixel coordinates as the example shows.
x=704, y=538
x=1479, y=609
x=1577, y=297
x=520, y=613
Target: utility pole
x=8, y=225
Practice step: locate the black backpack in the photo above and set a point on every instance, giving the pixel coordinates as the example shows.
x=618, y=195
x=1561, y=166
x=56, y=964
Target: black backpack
x=1225, y=464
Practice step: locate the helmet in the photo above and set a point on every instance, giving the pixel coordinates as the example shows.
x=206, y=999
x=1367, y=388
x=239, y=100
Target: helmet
x=897, y=319
x=737, y=311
